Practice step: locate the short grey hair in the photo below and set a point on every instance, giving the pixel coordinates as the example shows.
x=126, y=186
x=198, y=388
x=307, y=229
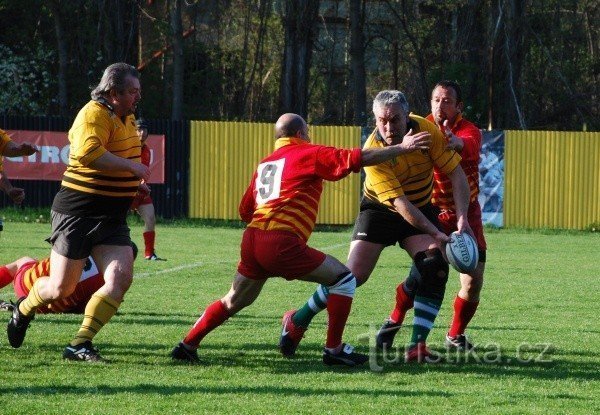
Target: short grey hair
x=390, y=97
x=114, y=77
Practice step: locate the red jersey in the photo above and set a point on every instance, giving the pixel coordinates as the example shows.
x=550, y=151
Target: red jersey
x=442, y=195
x=286, y=187
x=90, y=281
x=145, y=155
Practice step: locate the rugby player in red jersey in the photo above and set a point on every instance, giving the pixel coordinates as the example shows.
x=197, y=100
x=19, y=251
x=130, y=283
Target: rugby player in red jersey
x=280, y=207
x=142, y=203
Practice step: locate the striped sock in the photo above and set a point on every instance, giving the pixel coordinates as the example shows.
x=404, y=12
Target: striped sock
x=314, y=305
x=98, y=311
x=426, y=310
x=33, y=301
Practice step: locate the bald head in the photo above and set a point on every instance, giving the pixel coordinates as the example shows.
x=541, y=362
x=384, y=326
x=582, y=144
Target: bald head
x=291, y=125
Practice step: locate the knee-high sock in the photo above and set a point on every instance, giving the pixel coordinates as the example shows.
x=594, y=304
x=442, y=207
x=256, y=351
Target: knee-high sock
x=426, y=310
x=149, y=242
x=315, y=304
x=338, y=307
x=98, y=311
x=214, y=315
x=403, y=304
x=33, y=300
x=463, y=313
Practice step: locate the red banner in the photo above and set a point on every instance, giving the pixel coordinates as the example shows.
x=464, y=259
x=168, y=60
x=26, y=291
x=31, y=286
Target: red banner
x=51, y=161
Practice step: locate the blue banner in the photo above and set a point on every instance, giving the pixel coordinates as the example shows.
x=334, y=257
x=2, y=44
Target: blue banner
x=491, y=178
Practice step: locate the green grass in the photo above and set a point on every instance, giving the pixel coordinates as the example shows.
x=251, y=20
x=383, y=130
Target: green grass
x=541, y=289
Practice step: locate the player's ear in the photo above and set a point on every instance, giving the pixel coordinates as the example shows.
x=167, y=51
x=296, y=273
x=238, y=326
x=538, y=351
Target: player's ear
x=460, y=106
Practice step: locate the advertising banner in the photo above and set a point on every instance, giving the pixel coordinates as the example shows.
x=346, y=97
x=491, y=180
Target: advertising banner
x=51, y=161
x=491, y=178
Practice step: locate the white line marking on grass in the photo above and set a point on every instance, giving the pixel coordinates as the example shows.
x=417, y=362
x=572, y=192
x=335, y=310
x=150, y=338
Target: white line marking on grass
x=169, y=270
x=199, y=264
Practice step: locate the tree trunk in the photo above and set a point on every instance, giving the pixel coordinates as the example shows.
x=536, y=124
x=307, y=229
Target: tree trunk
x=178, y=60
x=357, y=55
x=63, y=57
x=300, y=17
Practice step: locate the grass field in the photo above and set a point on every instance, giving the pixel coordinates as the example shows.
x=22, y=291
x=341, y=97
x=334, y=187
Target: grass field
x=537, y=328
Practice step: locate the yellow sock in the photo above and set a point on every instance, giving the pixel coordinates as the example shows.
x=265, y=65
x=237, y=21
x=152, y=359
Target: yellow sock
x=33, y=300
x=98, y=311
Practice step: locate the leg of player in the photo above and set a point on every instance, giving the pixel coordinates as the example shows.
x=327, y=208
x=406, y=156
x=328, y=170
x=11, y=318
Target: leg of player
x=148, y=215
x=8, y=274
x=116, y=263
x=429, y=294
x=242, y=293
x=64, y=275
x=341, y=285
x=405, y=294
x=362, y=258
x=465, y=305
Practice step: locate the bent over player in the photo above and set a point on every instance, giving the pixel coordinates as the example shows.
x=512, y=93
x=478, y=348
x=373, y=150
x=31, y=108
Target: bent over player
x=464, y=137
x=280, y=207
x=396, y=209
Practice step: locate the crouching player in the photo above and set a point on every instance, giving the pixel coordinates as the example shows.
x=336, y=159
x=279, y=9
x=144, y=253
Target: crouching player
x=280, y=207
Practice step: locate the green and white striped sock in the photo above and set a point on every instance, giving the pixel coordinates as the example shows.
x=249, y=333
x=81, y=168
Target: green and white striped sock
x=315, y=304
x=426, y=310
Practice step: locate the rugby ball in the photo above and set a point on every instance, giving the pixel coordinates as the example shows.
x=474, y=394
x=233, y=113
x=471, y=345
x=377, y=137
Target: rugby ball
x=462, y=252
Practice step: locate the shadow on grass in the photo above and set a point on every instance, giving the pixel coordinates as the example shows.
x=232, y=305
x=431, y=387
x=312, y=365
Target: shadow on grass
x=162, y=390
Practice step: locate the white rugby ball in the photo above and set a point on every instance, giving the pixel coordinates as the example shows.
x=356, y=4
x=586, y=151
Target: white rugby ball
x=462, y=252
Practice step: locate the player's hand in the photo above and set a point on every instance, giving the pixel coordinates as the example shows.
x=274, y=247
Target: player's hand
x=441, y=240
x=143, y=188
x=419, y=141
x=141, y=170
x=17, y=195
x=27, y=149
x=454, y=141
x=462, y=226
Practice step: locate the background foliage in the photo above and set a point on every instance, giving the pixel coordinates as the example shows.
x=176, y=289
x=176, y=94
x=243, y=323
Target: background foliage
x=528, y=64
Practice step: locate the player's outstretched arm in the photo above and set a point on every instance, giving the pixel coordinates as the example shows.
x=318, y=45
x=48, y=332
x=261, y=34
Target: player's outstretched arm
x=410, y=142
x=13, y=149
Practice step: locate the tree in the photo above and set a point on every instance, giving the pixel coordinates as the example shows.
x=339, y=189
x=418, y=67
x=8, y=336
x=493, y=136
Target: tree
x=299, y=18
x=178, y=59
x=357, y=56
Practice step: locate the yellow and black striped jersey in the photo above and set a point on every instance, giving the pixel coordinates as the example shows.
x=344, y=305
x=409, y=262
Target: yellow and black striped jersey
x=409, y=174
x=86, y=190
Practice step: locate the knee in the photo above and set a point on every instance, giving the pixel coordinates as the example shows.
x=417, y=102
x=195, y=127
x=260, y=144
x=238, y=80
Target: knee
x=433, y=270
x=345, y=285
x=234, y=303
x=118, y=281
x=472, y=283
x=58, y=290
x=150, y=222
x=361, y=274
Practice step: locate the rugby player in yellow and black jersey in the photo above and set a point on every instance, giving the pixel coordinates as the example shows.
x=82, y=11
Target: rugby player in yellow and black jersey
x=89, y=211
x=396, y=208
